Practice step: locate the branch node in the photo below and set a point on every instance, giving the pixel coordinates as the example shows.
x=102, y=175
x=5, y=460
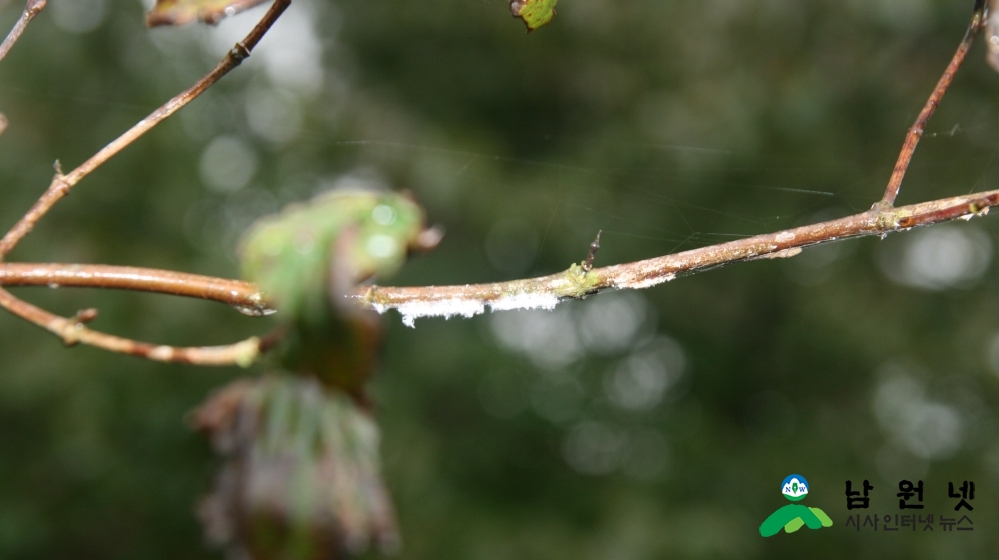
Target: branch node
x=238, y=53
x=581, y=283
x=68, y=331
x=84, y=316
x=883, y=206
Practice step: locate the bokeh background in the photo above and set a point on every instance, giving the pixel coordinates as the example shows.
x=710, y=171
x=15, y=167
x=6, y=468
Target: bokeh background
x=633, y=425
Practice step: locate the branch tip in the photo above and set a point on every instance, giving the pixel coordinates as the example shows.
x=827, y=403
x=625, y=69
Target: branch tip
x=84, y=316
x=239, y=52
x=594, y=247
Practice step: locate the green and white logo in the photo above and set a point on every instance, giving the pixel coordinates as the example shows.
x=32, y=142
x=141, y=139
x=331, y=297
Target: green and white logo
x=794, y=516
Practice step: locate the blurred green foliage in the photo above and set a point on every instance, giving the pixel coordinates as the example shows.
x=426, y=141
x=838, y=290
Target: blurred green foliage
x=535, y=13
x=302, y=472
x=648, y=425
x=288, y=255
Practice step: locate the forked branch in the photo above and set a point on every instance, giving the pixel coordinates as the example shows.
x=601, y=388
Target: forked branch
x=61, y=184
x=71, y=331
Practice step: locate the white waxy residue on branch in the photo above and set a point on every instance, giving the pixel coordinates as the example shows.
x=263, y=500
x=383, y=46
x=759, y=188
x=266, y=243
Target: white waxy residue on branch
x=466, y=307
x=525, y=301
x=446, y=308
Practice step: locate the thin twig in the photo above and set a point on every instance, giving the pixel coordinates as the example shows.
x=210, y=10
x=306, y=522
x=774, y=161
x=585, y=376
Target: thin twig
x=916, y=132
x=61, y=184
x=545, y=292
x=72, y=331
x=236, y=293
x=30, y=11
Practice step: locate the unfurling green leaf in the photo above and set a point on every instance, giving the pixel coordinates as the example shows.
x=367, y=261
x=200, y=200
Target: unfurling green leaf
x=308, y=259
x=310, y=252
x=535, y=13
x=179, y=12
x=302, y=476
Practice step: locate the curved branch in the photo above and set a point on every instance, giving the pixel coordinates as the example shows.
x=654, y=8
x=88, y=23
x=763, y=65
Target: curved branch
x=244, y=296
x=72, y=332
x=545, y=292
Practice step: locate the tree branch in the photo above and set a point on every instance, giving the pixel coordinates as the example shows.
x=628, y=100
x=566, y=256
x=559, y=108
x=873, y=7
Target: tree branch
x=547, y=291
x=61, y=184
x=580, y=280
x=915, y=133
x=30, y=11
x=72, y=331
x=243, y=296
x=543, y=292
